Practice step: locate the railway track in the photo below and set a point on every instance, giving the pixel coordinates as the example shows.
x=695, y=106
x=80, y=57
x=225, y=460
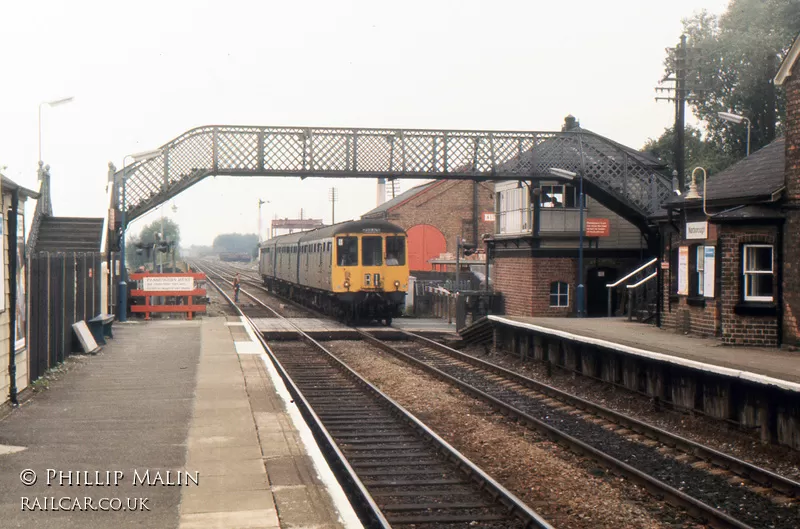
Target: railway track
x=397, y=472
x=717, y=488
x=713, y=486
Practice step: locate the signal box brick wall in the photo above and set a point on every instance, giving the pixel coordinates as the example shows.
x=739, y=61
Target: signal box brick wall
x=447, y=205
x=791, y=239
x=525, y=284
x=725, y=315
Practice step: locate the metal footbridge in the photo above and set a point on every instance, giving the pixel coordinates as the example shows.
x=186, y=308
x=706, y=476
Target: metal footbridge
x=627, y=181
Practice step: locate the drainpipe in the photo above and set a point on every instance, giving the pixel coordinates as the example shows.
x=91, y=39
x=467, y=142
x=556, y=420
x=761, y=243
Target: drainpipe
x=475, y=213
x=12, y=297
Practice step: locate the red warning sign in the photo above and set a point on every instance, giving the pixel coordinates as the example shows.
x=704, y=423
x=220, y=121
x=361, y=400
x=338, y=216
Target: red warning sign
x=598, y=227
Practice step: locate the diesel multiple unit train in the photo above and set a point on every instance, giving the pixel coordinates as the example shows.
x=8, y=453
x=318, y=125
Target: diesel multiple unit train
x=356, y=271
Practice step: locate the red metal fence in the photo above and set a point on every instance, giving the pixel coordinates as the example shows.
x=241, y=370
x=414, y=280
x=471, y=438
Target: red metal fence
x=183, y=298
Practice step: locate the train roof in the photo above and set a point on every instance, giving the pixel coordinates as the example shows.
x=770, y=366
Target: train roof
x=351, y=226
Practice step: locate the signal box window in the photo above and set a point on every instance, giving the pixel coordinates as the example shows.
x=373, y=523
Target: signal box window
x=395, y=251
x=559, y=196
x=371, y=251
x=559, y=294
x=347, y=251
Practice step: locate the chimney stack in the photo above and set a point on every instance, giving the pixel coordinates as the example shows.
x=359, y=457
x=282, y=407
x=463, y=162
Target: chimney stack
x=570, y=123
x=381, y=191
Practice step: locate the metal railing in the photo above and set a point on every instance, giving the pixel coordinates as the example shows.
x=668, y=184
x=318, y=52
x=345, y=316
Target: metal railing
x=636, y=278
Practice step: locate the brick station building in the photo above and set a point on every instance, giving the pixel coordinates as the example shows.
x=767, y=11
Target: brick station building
x=435, y=214
x=732, y=269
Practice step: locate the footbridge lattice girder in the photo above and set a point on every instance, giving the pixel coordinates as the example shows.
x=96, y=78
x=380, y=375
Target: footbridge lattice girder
x=390, y=153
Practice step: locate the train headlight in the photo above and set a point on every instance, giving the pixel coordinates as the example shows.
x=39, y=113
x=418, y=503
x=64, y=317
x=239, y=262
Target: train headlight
x=346, y=283
x=397, y=284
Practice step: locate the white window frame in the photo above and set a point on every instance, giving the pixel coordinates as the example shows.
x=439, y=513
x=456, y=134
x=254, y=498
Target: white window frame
x=700, y=269
x=558, y=295
x=747, y=273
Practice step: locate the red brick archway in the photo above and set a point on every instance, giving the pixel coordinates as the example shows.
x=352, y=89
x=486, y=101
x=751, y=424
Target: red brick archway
x=425, y=242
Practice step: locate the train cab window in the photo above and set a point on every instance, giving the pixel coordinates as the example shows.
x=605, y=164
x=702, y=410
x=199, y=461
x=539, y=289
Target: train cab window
x=347, y=251
x=371, y=251
x=395, y=251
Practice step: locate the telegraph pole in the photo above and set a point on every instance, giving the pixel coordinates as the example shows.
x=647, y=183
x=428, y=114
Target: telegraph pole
x=680, y=110
x=333, y=196
x=686, y=89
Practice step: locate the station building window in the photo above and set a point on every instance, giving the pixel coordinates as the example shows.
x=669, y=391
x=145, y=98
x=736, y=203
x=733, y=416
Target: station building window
x=757, y=269
x=559, y=294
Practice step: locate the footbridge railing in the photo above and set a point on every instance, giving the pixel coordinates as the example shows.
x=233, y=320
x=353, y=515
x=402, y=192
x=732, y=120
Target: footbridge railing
x=623, y=174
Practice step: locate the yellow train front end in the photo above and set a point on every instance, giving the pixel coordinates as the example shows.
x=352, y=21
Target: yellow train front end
x=370, y=271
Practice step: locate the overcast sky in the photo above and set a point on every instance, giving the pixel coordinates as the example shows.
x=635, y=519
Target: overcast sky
x=144, y=72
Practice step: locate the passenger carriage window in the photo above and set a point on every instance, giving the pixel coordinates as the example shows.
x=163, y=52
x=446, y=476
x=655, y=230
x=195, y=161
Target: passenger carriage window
x=395, y=251
x=371, y=251
x=347, y=251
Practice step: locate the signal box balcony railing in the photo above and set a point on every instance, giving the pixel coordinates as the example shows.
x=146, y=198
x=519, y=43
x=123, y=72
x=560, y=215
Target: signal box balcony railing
x=551, y=220
x=558, y=220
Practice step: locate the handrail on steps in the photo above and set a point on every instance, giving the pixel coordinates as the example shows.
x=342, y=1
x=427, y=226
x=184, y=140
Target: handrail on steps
x=643, y=281
x=628, y=276
x=652, y=261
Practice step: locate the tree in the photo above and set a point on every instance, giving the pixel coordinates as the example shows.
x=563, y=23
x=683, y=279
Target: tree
x=698, y=152
x=737, y=57
x=235, y=242
x=150, y=235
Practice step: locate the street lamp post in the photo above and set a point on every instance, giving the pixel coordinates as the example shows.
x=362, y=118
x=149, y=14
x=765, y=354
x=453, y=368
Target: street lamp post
x=569, y=175
x=260, y=203
x=736, y=118
x=123, y=284
x=54, y=103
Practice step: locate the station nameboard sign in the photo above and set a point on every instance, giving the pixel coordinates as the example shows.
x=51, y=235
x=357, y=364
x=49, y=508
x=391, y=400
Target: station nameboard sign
x=166, y=284
x=697, y=230
x=598, y=228
x=488, y=217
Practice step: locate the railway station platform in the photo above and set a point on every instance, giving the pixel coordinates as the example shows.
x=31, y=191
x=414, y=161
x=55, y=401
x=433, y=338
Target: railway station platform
x=186, y=414
x=756, y=388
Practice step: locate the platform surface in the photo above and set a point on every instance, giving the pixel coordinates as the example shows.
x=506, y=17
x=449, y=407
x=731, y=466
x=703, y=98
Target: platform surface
x=170, y=395
x=424, y=325
x=268, y=325
x=771, y=362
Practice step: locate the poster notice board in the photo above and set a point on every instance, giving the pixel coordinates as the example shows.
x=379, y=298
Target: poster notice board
x=709, y=262
x=683, y=271
x=167, y=284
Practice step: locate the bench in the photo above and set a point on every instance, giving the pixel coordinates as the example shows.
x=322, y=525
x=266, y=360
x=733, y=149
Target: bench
x=100, y=326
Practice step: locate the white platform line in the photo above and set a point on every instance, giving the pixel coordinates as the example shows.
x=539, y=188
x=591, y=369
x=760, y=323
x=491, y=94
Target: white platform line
x=677, y=360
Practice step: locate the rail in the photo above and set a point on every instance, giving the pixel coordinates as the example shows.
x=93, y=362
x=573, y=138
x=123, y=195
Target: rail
x=372, y=515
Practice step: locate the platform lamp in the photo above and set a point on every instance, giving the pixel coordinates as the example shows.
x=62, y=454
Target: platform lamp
x=736, y=118
x=53, y=103
x=569, y=175
x=123, y=284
